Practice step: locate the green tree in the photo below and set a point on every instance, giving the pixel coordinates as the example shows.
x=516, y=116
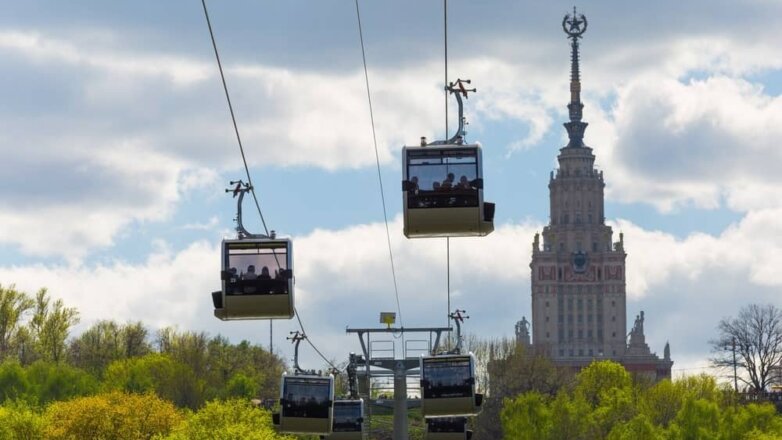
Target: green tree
x=157, y=373
x=13, y=305
x=50, y=325
x=637, y=428
x=107, y=341
x=527, y=417
x=51, y=381
x=697, y=419
x=18, y=421
x=241, y=385
x=599, y=378
x=228, y=420
x=13, y=381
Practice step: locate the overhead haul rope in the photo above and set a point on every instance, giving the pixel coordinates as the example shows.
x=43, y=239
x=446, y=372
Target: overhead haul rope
x=244, y=158
x=447, y=239
x=377, y=160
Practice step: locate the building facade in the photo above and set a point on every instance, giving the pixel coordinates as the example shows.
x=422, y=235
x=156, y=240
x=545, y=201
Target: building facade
x=578, y=271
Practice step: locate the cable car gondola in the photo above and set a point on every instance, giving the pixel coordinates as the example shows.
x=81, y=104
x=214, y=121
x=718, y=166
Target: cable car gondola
x=348, y=420
x=448, y=386
x=447, y=428
x=306, y=403
x=257, y=279
x=443, y=185
x=256, y=274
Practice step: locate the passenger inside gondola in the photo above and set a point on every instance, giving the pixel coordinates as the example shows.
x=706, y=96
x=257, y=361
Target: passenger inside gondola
x=251, y=282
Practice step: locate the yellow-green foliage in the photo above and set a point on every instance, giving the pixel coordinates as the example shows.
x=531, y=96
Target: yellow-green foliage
x=111, y=416
x=20, y=422
x=605, y=404
x=227, y=420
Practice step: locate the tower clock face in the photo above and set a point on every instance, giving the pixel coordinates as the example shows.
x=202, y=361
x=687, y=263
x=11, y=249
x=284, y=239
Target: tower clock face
x=580, y=261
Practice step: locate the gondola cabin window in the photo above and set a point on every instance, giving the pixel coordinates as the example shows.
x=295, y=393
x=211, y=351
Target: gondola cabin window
x=442, y=178
x=306, y=397
x=447, y=378
x=256, y=268
x=348, y=416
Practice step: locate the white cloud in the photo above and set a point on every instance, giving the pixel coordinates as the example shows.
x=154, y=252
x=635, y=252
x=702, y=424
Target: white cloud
x=751, y=249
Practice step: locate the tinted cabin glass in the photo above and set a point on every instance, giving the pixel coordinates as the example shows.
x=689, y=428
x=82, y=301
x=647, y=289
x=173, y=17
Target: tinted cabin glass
x=308, y=398
x=446, y=424
x=256, y=268
x=447, y=378
x=444, y=178
x=346, y=415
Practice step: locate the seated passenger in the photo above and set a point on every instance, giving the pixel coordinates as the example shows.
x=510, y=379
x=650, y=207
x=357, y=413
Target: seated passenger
x=464, y=183
x=448, y=182
x=250, y=274
x=414, y=181
x=436, y=185
x=264, y=274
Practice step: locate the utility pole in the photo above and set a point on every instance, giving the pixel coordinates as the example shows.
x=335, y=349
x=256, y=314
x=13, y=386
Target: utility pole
x=735, y=378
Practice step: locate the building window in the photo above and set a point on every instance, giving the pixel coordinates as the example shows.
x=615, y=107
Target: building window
x=570, y=334
x=589, y=318
x=589, y=334
x=559, y=272
x=567, y=219
x=594, y=244
x=580, y=318
x=562, y=353
x=561, y=318
x=613, y=334
x=581, y=334
x=570, y=303
x=613, y=319
x=570, y=318
x=599, y=274
x=546, y=292
x=570, y=352
x=600, y=334
x=590, y=352
x=599, y=317
x=546, y=318
x=580, y=352
x=561, y=335
x=547, y=335
x=580, y=304
x=613, y=303
x=589, y=305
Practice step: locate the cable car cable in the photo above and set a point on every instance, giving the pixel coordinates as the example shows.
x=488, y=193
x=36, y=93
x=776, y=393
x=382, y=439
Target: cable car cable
x=244, y=158
x=233, y=117
x=377, y=160
x=447, y=239
x=298, y=318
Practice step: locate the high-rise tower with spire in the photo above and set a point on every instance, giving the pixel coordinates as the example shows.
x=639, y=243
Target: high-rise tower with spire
x=578, y=272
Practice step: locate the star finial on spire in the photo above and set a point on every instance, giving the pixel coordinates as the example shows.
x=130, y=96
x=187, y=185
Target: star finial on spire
x=574, y=26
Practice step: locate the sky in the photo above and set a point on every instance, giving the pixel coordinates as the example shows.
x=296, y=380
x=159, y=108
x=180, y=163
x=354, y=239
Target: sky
x=116, y=146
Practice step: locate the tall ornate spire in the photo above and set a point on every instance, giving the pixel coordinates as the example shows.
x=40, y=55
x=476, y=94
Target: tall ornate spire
x=574, y=26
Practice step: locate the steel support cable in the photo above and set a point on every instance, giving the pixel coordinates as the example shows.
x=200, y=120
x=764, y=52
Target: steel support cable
x=447, y=239
x=377, y=160
x=233, y=117
x=244, y=157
